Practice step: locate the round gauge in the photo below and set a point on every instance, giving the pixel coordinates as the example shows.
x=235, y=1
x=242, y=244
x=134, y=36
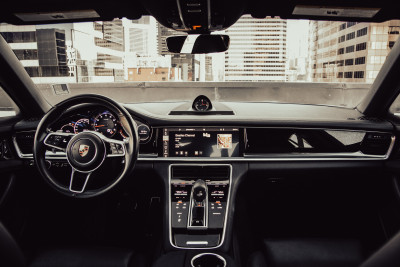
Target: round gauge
x=82, y=125
x=106, y=124
x=144, y=132
x=202, y=103
x=68, y=128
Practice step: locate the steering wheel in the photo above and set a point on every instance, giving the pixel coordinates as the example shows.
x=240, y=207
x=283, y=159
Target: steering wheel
x=85, y=151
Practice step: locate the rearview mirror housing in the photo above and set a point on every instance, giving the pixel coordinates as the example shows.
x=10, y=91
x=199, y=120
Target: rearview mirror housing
x=198, y=44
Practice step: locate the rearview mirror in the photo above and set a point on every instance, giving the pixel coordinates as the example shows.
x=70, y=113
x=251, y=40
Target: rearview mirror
x=198, y=44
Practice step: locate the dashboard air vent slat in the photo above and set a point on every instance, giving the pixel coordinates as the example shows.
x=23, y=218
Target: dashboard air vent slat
x=25, y=141
x=203, y=172
x=376, y=143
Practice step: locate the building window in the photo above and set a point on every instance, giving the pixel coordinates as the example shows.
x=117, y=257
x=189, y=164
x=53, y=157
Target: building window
x=350, y=36
x=348, y=74
x=340, y=75
x=358, y=74
x=340, y=51
x=360, y=61
x=349, y=62
x=350, y=49
x=47, y=71
x=26, y=54
x=342, y=26
x=340, y=63
x=19, y=37
x=361, y=46
x=394, y=29
x=341, y=39
x=362, y=32
x=349, y=24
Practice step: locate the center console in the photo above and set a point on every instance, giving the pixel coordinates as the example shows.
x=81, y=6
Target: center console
x=199, y=200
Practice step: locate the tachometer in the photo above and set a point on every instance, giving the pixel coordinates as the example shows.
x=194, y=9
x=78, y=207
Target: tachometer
x=82, y=125
x=68, y=128
x=106, y=124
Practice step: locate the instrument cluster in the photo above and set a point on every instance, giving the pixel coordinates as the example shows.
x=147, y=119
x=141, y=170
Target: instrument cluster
x=99, y=120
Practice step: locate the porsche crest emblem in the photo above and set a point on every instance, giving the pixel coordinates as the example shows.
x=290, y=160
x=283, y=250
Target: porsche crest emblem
x=83, y=150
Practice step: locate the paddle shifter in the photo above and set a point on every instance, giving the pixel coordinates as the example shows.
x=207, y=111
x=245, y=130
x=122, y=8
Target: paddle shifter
x=198, y=205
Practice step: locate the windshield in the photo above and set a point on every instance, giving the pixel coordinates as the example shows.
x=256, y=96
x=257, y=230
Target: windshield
x=295, y=61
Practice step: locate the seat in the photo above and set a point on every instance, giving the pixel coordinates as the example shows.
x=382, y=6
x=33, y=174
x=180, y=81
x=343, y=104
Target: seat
x=308, y=253
x=12, y=256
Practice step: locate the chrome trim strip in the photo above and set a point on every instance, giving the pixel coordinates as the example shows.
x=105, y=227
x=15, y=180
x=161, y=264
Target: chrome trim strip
x=170, y=202
x=203, y=254
x=286, y=157
x=271, y=157
x=63, y=155
x=196, y=242
x=49, y=154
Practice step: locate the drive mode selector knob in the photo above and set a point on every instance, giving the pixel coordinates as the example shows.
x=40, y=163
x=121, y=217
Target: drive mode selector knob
x=199, y=190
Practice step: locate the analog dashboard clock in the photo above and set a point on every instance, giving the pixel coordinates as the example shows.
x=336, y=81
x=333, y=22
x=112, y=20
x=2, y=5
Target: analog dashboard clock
x=202, y=103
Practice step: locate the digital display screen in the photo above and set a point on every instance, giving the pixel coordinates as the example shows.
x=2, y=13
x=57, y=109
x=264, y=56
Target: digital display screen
x=201, y=142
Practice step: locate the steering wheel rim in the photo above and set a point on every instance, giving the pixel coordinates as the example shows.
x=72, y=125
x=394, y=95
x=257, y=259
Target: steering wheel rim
x=130, y=145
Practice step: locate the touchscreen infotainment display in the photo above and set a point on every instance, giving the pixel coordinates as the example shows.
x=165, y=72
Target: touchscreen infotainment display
x=201, y=142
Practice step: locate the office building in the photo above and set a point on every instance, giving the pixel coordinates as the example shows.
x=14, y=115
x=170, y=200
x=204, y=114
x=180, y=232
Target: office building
x=257, y=50
x=350, y=51
x=69, y=52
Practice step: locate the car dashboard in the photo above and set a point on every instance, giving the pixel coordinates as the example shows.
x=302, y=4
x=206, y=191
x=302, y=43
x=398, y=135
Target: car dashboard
x=212, y=139
x=220, y=149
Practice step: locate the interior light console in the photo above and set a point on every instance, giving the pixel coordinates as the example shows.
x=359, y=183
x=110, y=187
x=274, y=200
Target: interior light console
x=199, y=200
x=202, y=142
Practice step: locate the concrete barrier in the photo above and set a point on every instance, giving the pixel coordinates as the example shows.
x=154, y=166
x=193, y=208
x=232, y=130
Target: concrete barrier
x=336, y=94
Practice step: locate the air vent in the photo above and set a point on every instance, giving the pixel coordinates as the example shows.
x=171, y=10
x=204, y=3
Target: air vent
x=376, y=143
x=204, y=172
x=25, y=142
x=364, y=118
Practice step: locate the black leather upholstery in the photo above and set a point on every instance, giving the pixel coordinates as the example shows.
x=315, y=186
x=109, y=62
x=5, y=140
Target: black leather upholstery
x=10, y=253
x=309, y=253
x=87, y=257
x=12, y=256
x=386, y=256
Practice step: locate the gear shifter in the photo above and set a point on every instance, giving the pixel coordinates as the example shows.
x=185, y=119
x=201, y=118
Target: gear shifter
x=199, y=204
x=199, y=190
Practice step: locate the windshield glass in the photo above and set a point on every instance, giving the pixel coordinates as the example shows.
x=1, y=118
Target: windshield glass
x=292, y=61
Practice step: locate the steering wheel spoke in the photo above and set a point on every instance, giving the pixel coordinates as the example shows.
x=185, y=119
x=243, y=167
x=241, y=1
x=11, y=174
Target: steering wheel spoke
x=58, y=140
x=78, y=181
x=115, y=148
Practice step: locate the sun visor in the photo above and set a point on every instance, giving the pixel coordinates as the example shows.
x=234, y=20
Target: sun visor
x=57, y=16
x=326, y=11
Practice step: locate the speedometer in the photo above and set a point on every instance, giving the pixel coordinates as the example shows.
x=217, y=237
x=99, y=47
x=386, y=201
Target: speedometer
x=106, y=124
x=82, y=125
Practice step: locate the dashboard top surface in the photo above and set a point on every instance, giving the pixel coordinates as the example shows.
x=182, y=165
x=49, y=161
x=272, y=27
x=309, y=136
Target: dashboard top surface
x=261, y=114
x=246, y=114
